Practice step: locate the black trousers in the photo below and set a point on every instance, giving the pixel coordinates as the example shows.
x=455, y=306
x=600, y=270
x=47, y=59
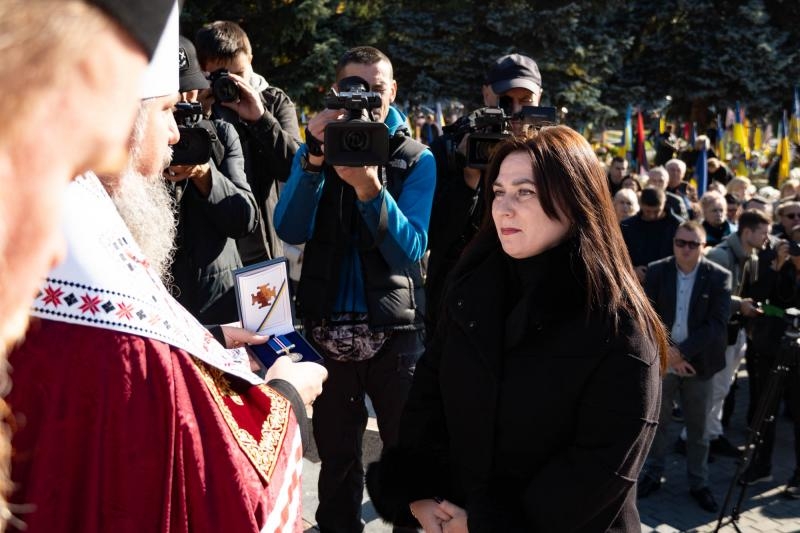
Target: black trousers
x=340, y=419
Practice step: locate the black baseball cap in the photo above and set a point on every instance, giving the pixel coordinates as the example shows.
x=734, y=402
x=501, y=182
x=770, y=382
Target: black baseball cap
x=514, y=70
x=191, y=76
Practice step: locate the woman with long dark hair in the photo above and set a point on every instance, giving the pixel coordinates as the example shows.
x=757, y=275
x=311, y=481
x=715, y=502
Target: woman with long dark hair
x=535, y=404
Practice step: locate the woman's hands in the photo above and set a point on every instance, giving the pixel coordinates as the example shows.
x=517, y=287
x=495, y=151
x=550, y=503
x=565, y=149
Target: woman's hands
x=439, y=517
x=458, y=518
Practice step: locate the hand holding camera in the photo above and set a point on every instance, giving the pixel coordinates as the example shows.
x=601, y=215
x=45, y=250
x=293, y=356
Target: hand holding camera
x=235, y=93
x=318, y=124
x=363, y=179
x=199, y=174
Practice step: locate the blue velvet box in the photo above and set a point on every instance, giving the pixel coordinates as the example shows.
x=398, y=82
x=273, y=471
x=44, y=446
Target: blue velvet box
x=265, y=307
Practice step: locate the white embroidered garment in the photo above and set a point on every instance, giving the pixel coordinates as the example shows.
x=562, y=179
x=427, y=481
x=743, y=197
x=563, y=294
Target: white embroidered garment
x=106, y=282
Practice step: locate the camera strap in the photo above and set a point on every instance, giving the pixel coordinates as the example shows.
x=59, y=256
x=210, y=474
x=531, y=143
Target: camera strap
x=217, y=148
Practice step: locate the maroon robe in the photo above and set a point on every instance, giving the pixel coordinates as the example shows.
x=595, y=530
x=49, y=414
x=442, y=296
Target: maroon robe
x=118, y=433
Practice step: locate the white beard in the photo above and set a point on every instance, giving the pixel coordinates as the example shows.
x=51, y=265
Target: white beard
x=148, y=209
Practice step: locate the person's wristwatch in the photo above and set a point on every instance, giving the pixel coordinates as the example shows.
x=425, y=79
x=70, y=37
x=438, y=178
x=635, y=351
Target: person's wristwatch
x=308, y=166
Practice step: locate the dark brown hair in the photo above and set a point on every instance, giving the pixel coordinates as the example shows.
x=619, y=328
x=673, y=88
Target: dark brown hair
x=221, y=40
x=362, y=55
x=571, y=184
x=751, y=219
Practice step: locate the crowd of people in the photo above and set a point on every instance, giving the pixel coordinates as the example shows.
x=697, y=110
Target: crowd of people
x=749, y=233
x=446, y=291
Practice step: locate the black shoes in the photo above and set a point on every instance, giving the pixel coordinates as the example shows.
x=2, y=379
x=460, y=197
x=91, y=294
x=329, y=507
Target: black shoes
x=755, y=474
x=647, y=486
x=722, y=446
x=705, y=499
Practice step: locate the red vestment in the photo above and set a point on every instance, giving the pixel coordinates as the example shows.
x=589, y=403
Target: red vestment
x=118, y=433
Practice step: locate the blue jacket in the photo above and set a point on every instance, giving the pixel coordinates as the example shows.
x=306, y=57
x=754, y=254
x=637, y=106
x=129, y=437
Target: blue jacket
x=408, y=218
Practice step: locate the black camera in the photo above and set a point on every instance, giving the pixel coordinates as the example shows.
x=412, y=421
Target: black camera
x=794, y=248
x=223, y=86
x=359, y=140
x=194, y=146
x=490, y=125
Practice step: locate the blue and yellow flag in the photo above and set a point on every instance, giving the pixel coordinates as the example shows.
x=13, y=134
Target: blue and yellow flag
x=740, y=137
x=784, y=150
x=794, y=132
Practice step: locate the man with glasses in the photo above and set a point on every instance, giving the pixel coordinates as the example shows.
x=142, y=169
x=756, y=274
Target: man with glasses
x=788, y=217
x=692, y=296
x=741, y=253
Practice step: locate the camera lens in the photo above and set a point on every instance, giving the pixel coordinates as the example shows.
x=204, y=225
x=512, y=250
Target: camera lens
x=355, y=141
x=483, y=149
x=225, y=90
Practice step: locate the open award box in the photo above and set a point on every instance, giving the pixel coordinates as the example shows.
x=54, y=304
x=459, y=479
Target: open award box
x=265, y=307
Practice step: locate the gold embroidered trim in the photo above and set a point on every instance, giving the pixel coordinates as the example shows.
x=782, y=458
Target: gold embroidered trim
x=264, y=453
x=224, y=386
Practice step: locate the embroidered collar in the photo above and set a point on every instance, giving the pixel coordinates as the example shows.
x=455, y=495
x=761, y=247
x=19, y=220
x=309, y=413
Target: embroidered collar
x=106, y=282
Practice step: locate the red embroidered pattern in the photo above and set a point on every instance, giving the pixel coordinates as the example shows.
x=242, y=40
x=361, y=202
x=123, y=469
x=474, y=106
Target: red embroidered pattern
x=53, y=296
x=125, y=311
x=91, y=304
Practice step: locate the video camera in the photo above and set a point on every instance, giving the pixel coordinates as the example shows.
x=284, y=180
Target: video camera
x=223, y=86
x=487, y=126
x=359, y=140
x=195, y=144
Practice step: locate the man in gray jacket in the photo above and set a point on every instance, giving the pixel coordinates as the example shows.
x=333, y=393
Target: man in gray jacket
x=738, y=253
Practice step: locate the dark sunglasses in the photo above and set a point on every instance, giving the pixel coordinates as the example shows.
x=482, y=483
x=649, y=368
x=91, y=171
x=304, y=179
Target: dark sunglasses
x=693, y=245
x=791, y=215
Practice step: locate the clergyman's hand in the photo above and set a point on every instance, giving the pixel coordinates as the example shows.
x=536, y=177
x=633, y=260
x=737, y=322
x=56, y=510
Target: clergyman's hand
x=306, y=377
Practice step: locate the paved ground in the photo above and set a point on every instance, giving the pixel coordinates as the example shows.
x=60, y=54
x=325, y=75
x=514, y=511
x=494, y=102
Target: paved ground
x=671, y=509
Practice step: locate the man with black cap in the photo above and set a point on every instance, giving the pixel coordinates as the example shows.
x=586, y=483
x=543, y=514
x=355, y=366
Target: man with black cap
x=513, y=81
x=66, y=108
x=215, y=207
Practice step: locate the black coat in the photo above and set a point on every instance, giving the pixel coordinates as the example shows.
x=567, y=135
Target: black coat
x=524, y=411
x=649, y=241
x=709, y=309
x=206, y=254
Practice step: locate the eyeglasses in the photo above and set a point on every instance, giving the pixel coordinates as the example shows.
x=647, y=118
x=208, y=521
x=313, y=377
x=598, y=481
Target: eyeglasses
x=693, y=245
x=791, y=215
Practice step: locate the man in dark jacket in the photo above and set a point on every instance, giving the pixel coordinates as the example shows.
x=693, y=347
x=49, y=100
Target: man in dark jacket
x=215, y=206
x=692, y=296
x=657, y=177
x=266, y=121
x=648, y=234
